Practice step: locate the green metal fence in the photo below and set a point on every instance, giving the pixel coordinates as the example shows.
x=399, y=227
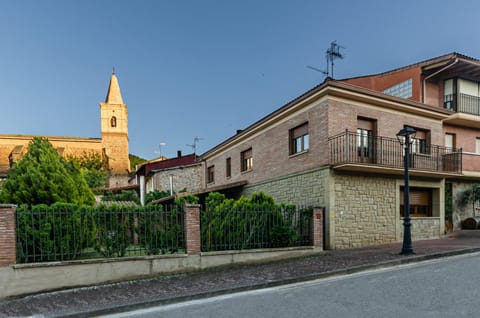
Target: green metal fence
x=46, y=234
x=255, y=228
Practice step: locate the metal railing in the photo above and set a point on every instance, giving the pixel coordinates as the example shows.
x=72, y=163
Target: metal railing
x=349, y=148
x=462, y=103
x=44, y=234
x=255, y=228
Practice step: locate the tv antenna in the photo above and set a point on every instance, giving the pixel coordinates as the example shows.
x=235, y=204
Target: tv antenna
x=333, y=53
x=160, y=145
x=194, y=145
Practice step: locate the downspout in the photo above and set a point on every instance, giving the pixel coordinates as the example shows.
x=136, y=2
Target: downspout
x=432, y=75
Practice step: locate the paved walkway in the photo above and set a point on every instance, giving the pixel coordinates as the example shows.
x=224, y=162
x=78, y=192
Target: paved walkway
x=91, y=301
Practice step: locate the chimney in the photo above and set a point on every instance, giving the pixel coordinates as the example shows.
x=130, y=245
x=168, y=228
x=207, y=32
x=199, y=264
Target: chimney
x=179, y=153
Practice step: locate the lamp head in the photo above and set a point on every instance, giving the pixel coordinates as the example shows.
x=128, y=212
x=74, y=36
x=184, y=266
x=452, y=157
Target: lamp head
x=405, y=132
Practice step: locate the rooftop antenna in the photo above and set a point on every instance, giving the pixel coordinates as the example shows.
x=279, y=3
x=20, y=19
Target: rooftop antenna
x=160, y=145
x=194, y=145
x=324, y=72
x=333, y=53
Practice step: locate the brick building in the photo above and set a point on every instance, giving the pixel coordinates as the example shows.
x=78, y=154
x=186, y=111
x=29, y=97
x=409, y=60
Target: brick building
x=335, y=146
x=113, y=145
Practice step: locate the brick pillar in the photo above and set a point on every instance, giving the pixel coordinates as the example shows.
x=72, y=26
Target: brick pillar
x=192, y=229
x=8, y=240
x=317, y=227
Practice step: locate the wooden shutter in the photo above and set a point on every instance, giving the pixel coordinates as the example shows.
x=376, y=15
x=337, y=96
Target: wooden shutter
x=417, y=197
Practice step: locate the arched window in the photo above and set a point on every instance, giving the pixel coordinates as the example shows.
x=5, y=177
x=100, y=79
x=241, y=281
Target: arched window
x=113, y=121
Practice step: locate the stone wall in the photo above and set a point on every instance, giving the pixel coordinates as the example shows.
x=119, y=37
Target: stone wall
x=423, y=228
x=462, y=211
x=365, y=211
x=306, y=188
x=188, y=178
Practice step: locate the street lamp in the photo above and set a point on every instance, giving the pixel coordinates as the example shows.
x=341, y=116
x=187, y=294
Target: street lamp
x=405, y=136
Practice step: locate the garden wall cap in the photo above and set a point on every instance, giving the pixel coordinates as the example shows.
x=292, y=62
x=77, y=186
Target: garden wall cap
x=9, y=206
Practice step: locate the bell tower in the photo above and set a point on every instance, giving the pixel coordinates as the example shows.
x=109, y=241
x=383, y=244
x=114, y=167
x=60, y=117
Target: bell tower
x=114, y=126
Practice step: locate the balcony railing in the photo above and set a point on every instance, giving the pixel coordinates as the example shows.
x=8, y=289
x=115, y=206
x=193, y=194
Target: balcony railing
x=351, y=148
x=465, y=103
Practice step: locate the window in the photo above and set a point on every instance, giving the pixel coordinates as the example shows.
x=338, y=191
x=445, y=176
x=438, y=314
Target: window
x=477, y=145
x=420, y=200
x=403, y=89
x=228, y=166
x=299, y=139
x=421, y=142
x=450, y=141
x=246, y=160
x=211, y=174
x=113, y=121
x=365, y=131
x=450, y=94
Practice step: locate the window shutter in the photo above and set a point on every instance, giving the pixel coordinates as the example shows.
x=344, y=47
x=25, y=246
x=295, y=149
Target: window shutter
x=300, y=131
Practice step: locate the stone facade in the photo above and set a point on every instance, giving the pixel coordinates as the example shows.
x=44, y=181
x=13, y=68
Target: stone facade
x=364, y=212
x=188, y=177
x=423, y=228
x=309, y=188
x=462, y=211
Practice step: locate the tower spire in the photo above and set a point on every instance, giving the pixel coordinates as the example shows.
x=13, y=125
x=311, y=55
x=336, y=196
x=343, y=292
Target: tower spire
x=114, y=96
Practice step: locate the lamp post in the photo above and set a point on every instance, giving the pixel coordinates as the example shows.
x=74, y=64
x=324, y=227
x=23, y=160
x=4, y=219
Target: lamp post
x=405, y=136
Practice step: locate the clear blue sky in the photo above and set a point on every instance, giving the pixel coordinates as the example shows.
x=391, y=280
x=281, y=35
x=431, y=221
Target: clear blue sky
x=201, y=68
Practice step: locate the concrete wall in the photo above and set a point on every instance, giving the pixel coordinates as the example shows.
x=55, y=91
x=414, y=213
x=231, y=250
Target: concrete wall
x=33, y=278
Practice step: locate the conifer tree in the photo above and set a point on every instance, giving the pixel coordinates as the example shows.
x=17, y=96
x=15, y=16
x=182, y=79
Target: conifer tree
x=42, y=176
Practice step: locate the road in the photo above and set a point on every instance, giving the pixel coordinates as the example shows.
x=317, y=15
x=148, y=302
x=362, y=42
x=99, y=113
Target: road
x=448, y=287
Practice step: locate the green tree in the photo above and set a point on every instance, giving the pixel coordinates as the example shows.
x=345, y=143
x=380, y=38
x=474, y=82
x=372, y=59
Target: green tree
x=94, y=169
x=134, y=161
x=43, y=177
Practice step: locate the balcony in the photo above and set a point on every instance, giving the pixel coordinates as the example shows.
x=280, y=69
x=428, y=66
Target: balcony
x=349, y=151
x=462, y=103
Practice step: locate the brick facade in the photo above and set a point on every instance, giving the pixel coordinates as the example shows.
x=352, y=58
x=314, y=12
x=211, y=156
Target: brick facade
x=192, y=229
x=8, y=241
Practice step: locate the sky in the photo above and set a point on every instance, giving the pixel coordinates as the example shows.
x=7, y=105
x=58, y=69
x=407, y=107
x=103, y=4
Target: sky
x=191, y=68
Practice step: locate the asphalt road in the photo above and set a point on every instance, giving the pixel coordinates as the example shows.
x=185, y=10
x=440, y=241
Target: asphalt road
x=448, y=287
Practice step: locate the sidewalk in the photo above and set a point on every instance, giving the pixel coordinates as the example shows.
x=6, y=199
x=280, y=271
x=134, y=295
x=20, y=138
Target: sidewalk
x=91, y=301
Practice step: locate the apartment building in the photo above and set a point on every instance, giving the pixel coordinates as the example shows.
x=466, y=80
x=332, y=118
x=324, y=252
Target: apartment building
x=336, y=146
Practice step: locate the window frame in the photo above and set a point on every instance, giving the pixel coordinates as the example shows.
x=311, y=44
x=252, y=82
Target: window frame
x=228, y=167
x=299, y=139
x=246, y=160
x=211, y=174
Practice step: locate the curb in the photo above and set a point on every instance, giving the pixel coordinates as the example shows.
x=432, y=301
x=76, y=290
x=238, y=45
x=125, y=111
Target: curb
x=314, y=276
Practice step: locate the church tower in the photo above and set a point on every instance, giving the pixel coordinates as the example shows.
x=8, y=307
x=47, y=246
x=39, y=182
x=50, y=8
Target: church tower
x=114, y=125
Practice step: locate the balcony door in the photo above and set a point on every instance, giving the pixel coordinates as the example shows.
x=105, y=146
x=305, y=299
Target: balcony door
x=365, y=139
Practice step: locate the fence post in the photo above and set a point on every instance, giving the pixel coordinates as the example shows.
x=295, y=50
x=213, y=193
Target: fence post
x=8, y=240
x=317, y=227
x=192, y=229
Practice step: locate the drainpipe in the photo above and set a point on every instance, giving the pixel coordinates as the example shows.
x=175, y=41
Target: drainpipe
x=142, y=190
x=171, y=184
x=432, y=75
